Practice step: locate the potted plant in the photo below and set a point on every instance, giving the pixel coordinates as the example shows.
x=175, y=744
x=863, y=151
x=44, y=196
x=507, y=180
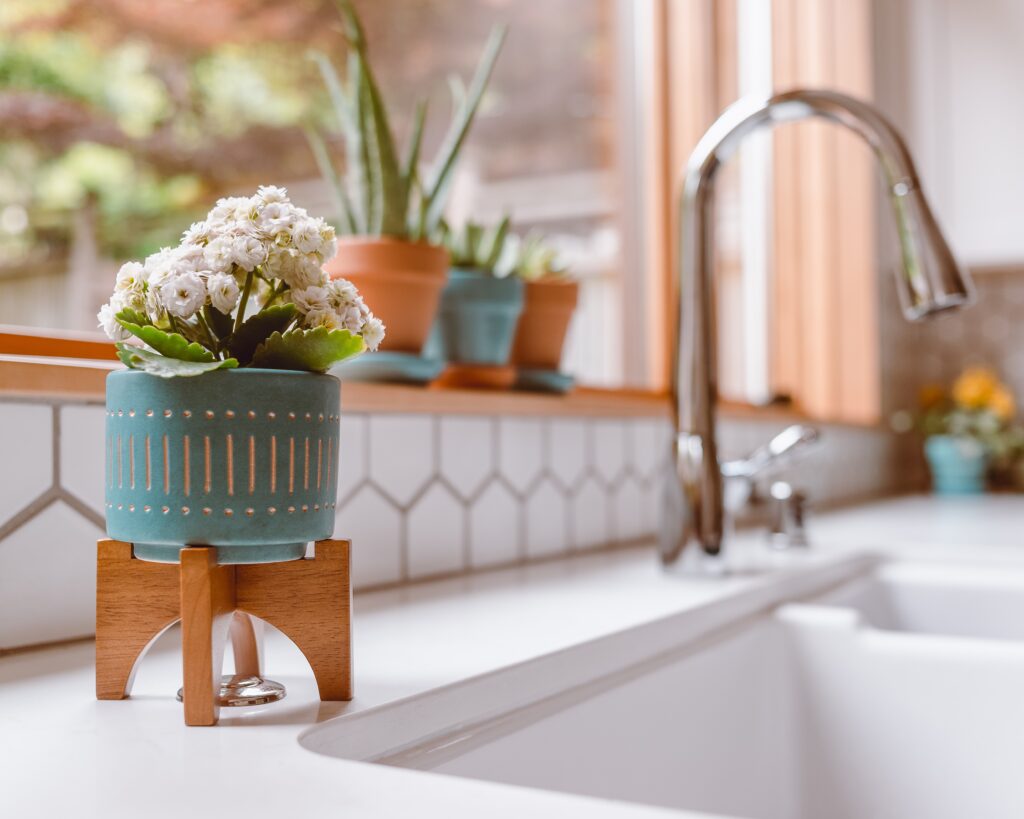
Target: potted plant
x=223, y=431
x=965, y=430
x=549, y=303
x=387, y=212
x=480, y=307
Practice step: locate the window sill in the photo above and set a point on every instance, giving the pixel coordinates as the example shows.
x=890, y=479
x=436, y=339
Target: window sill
x=57, y=377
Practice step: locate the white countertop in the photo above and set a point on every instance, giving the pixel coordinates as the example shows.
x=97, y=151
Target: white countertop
x=64, y=753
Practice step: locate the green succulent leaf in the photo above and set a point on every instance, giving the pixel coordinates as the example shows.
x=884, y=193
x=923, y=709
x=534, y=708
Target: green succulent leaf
x=171, y=345
x=164, y=367
x=309, y=350
x=134, y=316
x=258, y=328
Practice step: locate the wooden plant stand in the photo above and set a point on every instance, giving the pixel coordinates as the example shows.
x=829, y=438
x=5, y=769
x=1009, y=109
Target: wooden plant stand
x=309, y=600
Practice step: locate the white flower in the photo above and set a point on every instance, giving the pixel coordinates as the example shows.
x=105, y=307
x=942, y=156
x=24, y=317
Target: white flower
x=373, y=332
x=247, y=252
x=223, y=291
x=343, y=294
x=198, y=233
x=128, y=300
x=108, y=322
x=328, y=239
x=220, y=254
x=322, y=317
x=189, y=259
x=272, y=193
x=312, y=298
x=184, y=295
x=131, y=278
x=306, y=237
x=351, y=319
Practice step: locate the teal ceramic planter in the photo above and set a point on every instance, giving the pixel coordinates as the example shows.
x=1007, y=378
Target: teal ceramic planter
x=958, y=465
x=245, y=460
x=477, y=319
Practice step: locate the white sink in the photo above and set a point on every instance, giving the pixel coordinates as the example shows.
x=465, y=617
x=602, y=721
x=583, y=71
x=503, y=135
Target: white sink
x=840, y=709
x=939, y=598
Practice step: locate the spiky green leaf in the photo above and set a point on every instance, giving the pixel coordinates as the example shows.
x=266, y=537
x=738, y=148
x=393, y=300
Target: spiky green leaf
x=258, y=328
x=494, y=244
x=309, y=350
x=171, y=345
x=346, y=218
x=134, y=316
x=156, y=364
x=437, y=191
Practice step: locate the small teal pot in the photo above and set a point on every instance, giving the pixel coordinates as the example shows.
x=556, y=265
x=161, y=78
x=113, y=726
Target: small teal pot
x=958, y=465
x=478, y=316
x=245, y=460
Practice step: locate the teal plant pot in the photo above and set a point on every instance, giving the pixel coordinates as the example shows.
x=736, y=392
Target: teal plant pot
x=958, y=465
x=477, y=319
x=244, y=460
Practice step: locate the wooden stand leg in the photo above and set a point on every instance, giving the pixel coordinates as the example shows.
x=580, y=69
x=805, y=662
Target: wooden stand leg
x=207, y=603
x=135, y=603
x=311, y=602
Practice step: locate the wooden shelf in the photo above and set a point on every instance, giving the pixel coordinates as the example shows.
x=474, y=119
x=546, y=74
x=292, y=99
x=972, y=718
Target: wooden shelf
x=52, y=377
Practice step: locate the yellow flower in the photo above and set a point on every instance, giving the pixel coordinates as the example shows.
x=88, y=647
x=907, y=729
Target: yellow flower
x=931, y=395
x=974, y=388
x=1001, y=403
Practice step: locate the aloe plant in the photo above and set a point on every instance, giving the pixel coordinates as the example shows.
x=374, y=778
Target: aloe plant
x=478, y=247
x=538, y=261
x=382, y=193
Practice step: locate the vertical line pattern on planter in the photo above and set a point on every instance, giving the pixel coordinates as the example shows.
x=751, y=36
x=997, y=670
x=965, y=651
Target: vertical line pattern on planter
x=186, y=464
x=207, y=481
x=131, y=461
x=252, y=464
x=229, y=444
x=319, y=460
x=305, y=470
x=291, y=465
x=149, y=470
x=120, y=464
x=330, y=441
x=110, y=464
x=273, y=464
x=167, y=468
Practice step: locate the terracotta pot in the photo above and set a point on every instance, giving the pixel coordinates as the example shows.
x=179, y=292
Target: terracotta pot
x=400, y=281
x=540, y=336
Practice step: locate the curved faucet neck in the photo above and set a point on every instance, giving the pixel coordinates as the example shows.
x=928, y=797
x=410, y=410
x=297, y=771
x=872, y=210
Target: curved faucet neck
x=931, y=280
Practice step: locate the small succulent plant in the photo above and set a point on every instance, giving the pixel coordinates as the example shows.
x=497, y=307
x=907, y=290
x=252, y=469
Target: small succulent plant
x=486, y=249
x=382, y=194
x=538, y=261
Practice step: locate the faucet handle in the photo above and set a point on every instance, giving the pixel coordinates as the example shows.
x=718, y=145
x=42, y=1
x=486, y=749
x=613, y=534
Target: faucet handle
x=787, y=444
x=788, y=510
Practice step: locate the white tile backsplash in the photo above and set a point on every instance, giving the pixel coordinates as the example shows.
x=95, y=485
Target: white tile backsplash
x=26, y=440
x=590, y=518
x=467, y=453
x=48, y=578
x=546, y=521
x=375, y=527
x=81, y=453
x=494, y=527
x=520, y=451
x=609, y=449
x=401, y=454
x=567, y=450
x=436, y=533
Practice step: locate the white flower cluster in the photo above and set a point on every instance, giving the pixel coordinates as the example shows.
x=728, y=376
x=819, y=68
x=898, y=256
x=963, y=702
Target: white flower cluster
x=265, y=234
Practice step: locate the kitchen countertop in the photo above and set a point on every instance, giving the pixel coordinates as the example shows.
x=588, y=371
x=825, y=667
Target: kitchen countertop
x=64, y=753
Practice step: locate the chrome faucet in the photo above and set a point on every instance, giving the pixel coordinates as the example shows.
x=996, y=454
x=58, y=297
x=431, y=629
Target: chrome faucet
x=929, y=282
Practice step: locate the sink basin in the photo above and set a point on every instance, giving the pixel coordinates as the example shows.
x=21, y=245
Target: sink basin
x=939, y=598
x=864, y=704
